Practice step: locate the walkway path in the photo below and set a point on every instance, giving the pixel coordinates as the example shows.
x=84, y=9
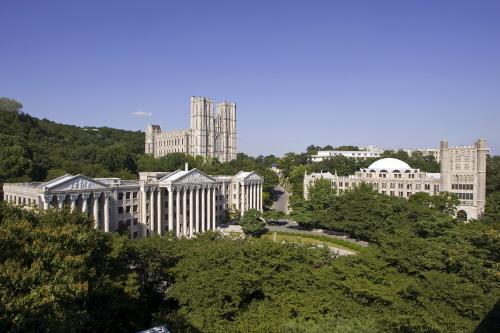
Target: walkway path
x=281, y=199
x=292, y=226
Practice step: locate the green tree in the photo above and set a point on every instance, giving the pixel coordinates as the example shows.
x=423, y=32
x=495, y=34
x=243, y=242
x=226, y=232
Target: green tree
x=9, y=105
x=59, y=274
x=252, y=222
x=15, y=159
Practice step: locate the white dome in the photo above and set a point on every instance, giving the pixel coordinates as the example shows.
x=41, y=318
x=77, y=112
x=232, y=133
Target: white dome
x=389, y=164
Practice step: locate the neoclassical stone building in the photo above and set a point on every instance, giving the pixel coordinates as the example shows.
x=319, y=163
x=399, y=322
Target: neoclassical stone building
x=212, y=133
x=184, y=201
x=463, y=172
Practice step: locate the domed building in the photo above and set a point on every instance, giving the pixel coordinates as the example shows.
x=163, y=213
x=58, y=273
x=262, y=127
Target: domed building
x=463, y=172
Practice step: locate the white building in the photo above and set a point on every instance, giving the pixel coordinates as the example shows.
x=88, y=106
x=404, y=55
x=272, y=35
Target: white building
x=363, y=153
x=184, y=201
x=425, y=152
x=463, y=172
x=212, y=133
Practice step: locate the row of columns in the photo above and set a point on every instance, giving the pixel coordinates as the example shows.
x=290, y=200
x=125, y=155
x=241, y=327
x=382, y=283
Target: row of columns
x=85, y=197
x=251, y=197
x=201, y=208
x=19, y=200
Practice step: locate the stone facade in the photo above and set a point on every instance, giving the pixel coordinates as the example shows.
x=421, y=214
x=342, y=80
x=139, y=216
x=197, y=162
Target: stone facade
x=463, y=172
x=212, y=133
x=185, y=202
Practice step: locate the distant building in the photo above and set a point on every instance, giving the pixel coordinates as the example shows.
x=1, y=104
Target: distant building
x=463, y=172
x=184, y=201
x=212, y=133
x=425, y=152
x=363, y=153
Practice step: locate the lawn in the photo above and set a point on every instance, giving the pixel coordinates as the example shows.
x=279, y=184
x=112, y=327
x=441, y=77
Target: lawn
x=314, y=240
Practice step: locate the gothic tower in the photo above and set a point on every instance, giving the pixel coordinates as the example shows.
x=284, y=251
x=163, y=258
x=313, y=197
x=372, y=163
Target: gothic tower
x=202, y=126
x=151, y=132
x=226, y=131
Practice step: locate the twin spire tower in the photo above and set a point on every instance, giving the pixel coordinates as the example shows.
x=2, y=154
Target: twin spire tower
x=212, y=133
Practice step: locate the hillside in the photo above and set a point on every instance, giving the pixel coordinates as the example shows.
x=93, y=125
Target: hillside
x=37, y=149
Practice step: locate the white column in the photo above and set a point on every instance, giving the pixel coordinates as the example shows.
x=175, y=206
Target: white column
x=73, y=199
x=85, y=206
x=256, y=206
x=214, y=215
x=60, y=201
x=152, y=209
x=209, y=208
x=46, y=202
x=96, y=210
x=184, y=212
x=159, y=206
x=202, y=210
x=106, y=212
x=260, y=197
x=197, y=225
x=144, y=202
x=242, y=198
x=170, y=209
x=252, y=196
x=191, y=212
x=178, y=212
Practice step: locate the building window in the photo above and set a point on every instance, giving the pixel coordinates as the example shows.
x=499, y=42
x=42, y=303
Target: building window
x=127, y=195
x=136, y=221
x=127, y=209
x=120, y=210
x=120, y=196
x=134, y=195
x=134, y=208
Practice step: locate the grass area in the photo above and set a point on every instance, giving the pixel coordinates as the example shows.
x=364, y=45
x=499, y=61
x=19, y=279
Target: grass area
x=314, y=240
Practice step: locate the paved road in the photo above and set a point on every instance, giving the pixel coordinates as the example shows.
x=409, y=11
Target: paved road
x=281, y=203
x=291, y=226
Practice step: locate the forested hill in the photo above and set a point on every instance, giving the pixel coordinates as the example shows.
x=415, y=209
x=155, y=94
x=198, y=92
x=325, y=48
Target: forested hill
x=37, y=149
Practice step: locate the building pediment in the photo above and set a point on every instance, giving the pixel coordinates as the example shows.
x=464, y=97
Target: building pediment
x=253, y=176
x=194, y=177
x=75, y=183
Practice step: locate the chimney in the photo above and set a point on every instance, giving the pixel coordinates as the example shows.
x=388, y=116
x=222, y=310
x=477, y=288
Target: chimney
x=186, y=167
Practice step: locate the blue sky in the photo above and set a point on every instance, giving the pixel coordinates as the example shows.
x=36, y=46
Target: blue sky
x=386, y=73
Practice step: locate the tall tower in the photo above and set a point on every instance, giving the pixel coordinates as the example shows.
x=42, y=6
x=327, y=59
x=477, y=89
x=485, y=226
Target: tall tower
x=444, y=153
x=480, y=192
x=231, y=148
x=150, y=144
x=202, y=126
x=226, y=131
x=463, y=172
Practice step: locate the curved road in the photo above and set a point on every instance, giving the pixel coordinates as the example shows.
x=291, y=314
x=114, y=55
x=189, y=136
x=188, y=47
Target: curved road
x=281, y=202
